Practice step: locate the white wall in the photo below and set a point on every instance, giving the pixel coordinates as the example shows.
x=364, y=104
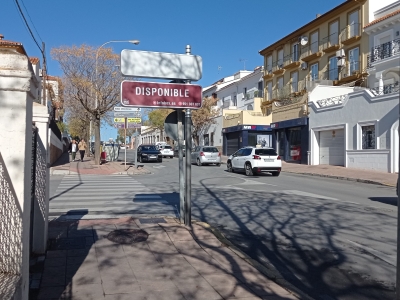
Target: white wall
x=359, y=108
x=324, y=91
x=18, y=89
x=378, y=160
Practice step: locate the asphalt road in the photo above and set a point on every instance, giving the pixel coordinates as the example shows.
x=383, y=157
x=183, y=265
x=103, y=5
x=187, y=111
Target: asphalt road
x=333, y=239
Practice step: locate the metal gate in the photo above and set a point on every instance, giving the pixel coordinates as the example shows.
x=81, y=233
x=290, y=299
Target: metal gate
x=232, y=140
x=33, y=177
x=38, y=181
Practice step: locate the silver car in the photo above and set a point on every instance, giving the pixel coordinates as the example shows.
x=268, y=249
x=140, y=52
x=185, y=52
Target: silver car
x=205, y=155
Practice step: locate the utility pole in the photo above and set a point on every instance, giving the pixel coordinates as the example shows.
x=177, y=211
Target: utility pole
x=44, y=75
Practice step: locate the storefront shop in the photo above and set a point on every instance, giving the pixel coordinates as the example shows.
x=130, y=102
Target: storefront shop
x=236, y=137
x=290, y=138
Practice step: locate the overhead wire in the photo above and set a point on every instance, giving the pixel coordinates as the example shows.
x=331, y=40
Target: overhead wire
x=27, y=25
x=30, y=31
x=31, y=20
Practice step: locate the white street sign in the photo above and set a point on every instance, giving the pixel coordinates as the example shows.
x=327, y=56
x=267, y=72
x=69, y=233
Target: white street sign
x=130, y=109
x=161, y=65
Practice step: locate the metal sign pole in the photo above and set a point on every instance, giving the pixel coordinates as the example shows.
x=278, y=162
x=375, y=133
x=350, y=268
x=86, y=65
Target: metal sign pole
x=188, y=179
x=188, y=169
x=126, y=125
x=181, y=172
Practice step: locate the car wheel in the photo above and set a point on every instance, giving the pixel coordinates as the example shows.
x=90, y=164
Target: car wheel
x=275, y=173
x=171, y=157
x=229, y=167
x=198, y=162
x=218, y=165
x=140, y=159
x=248, y=169
x=160, y=160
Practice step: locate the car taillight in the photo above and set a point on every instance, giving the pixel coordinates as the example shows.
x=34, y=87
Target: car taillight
x=201, y=153
x=278, y=157
x=256, y=157
x=219, y=154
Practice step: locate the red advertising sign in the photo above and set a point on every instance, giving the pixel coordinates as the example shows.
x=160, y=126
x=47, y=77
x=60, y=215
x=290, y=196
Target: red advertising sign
x=161, y=95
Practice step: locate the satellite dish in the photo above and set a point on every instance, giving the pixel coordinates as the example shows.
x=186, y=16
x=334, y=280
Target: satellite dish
x=304, y=40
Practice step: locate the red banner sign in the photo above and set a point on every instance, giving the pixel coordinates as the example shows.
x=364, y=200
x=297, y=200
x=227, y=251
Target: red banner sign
x=161, y=95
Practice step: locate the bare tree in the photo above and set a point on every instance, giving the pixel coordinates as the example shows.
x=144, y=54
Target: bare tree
x=86, y=91
x=157, y=119
x=203, y=117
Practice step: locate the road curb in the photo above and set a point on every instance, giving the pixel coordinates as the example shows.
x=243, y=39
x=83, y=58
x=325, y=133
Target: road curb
x=269, y=273
x=341, y=178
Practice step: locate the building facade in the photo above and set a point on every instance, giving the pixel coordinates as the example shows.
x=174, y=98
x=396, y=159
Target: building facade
x=331, y=50
x=242, y=128
x=357, y=127
x=236, y=94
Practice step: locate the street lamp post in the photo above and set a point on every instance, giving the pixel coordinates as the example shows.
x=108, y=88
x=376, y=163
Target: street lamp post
x=97, y=116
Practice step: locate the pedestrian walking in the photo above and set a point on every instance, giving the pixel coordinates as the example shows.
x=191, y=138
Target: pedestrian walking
x=82, y=148
x=73, y=148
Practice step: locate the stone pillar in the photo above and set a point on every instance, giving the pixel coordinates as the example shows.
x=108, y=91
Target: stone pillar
x=18, y=88
x=41, y=119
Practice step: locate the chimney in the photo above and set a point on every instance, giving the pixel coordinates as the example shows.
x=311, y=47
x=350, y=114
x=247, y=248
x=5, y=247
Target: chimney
x=1, y=36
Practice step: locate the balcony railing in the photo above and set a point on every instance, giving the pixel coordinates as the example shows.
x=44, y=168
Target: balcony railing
x=383, y=51
x=308, y=52
x=386, y=89
x=351, y=68
x=277, y=65
x=291, y=90
x=291, y=59
x=350, y=32
x=330, y=42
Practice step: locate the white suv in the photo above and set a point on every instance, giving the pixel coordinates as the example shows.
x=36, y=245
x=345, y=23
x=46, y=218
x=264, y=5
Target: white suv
x=166, y=151
x=253, y=160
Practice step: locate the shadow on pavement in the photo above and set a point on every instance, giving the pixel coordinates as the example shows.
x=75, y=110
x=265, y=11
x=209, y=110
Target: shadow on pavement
x=295, y=237
x=85, y=261
x=386, y=200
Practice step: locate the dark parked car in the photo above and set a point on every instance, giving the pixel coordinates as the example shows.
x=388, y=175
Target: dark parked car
x=148, y=153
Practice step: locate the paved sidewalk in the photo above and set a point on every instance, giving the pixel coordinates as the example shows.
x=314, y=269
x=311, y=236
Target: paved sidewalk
x=367, y=176
x=96, y=259
x=64, y=166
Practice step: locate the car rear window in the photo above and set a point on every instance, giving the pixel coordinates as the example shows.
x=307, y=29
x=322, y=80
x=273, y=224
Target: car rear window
x=210, y=149
x=265, y=152
x=167, y=147
x=149, y=148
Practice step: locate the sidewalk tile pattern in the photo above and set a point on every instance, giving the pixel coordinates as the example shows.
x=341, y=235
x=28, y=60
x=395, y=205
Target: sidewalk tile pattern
x=165, y=266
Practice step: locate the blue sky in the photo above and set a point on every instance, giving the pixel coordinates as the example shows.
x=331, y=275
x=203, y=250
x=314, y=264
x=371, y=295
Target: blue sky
x=222, y=32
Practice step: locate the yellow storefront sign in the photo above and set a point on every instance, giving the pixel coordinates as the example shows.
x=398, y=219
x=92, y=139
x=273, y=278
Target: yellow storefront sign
x=134, y=120
x=119, y=120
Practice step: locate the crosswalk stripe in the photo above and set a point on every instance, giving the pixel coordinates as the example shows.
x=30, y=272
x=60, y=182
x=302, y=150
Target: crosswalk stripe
x=106, y=195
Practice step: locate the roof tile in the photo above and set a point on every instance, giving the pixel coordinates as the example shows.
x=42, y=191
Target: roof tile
x=396, y=12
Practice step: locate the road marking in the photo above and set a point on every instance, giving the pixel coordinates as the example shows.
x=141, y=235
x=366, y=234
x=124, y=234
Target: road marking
x=251, y=182
x=233, y=187
x=306, y=194
x=158, y=167
x=390, y=259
